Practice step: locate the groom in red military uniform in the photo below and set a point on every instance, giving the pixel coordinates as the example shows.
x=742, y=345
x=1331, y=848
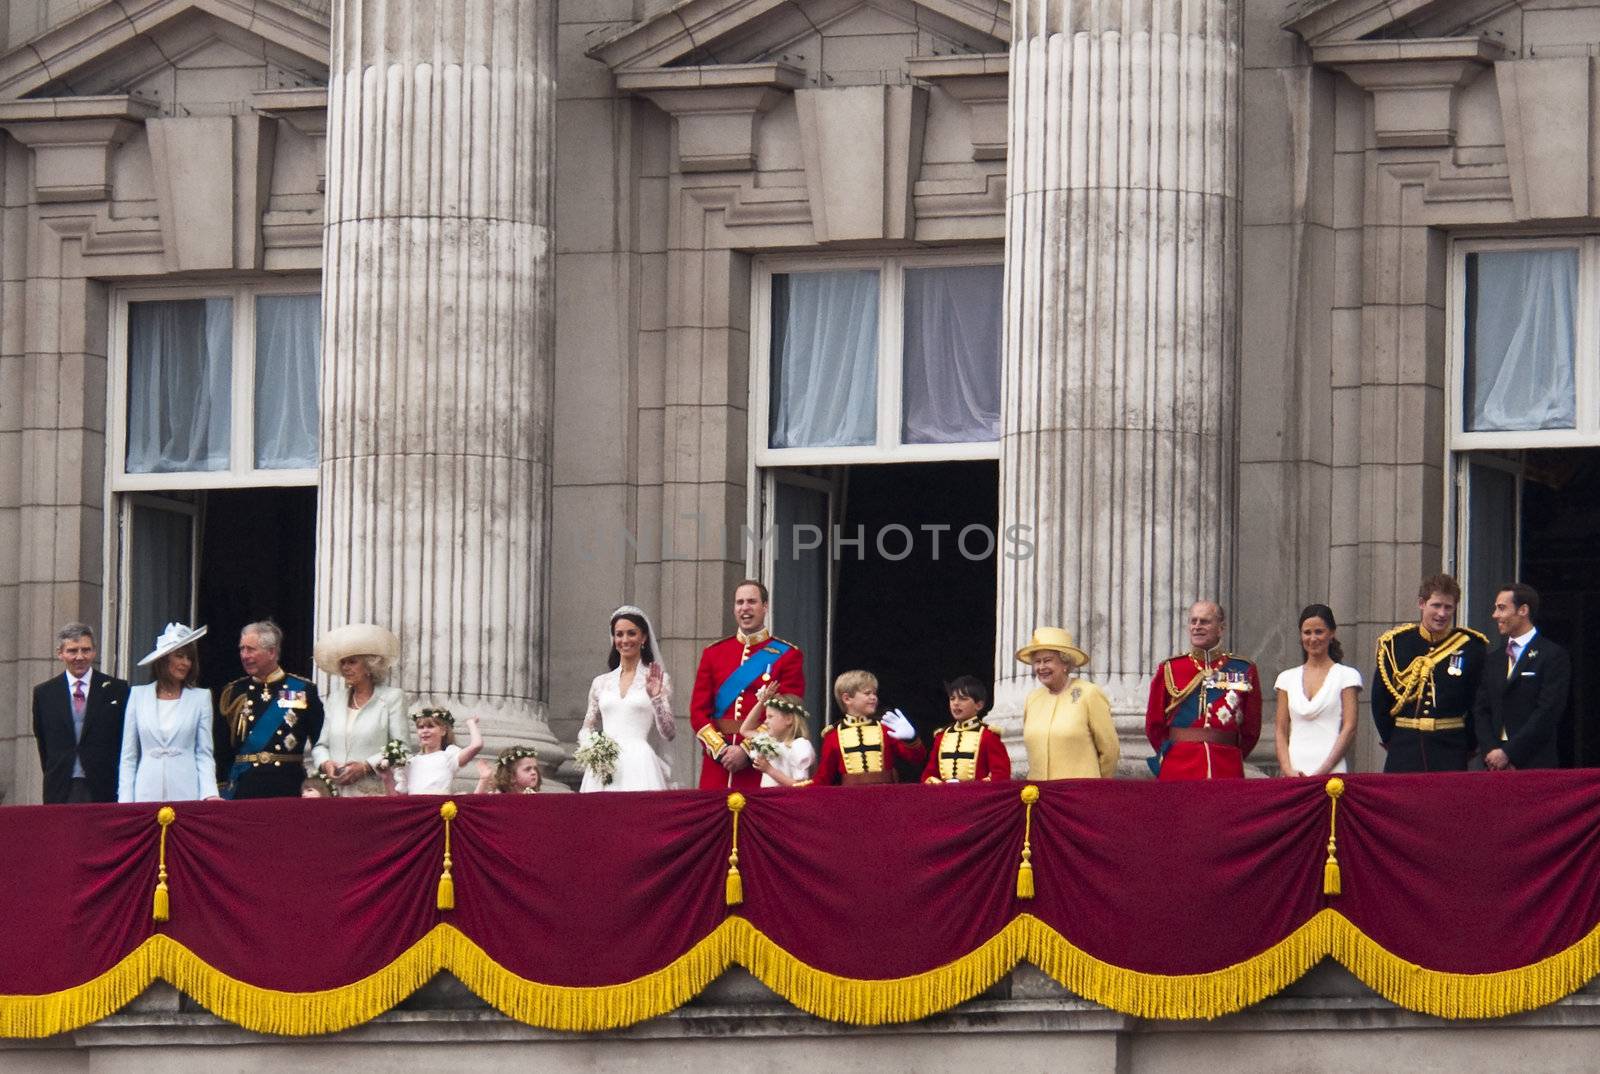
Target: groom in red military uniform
x=732, y=671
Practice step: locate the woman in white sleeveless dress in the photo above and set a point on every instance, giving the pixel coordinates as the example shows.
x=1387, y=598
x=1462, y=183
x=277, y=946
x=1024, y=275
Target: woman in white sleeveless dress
x=1317, y=701
x=629, y=702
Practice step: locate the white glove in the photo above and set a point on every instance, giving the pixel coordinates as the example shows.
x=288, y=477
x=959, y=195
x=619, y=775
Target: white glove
x=898, y=725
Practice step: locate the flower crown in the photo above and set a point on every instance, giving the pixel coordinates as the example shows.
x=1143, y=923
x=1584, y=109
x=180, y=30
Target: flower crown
x=441, y=714
x=515, y=754
x=322, y=778
x=790, y=707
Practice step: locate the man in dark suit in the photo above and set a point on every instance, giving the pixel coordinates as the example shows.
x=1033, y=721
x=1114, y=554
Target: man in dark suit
x=1524, y=691
x=77, y=723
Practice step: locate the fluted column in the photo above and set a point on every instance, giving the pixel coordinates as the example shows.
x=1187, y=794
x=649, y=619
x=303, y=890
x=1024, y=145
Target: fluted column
x=1120, y=368
x=438, y=336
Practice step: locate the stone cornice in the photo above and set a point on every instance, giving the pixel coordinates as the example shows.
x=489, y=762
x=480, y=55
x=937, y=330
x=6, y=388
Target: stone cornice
x=101, y=30
x=979, y=81
x=72, y=139
x=689, y=28
x=1414, y=84
x=1321, y=21
x=717, y=108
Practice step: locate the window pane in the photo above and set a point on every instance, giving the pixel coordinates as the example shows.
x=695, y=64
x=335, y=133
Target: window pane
x=1491, y=541
x=800, y=581
x=180, y=368
x=1520, y=340
x=288, y=346
x=952, y=355
x=160, y=559
x=824, y=359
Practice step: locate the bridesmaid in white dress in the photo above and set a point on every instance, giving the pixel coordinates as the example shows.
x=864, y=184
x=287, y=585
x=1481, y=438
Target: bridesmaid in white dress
x=1317, y=701
x=628, y=702
x=166, y=731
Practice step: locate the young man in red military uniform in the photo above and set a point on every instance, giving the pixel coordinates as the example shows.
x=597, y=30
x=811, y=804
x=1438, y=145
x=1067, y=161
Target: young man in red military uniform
x=732, y=672
x=1204, y=715
x=864, y=747
x=968, y=749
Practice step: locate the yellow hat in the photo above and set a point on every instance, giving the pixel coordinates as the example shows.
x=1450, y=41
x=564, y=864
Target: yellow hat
x=1049, y=639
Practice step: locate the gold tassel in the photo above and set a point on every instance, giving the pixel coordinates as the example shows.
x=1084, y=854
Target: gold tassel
x=162, y=909
x=734, y=892
x=447, y=886
x=1030, y=795
x=1331, y=883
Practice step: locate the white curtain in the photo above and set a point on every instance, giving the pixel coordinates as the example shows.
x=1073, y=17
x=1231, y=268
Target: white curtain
x=288, y=347
x=824, y=359
x=1520, y=342
x=180, y=368
x=952, y=354
x=800, y=588
x=160, y=560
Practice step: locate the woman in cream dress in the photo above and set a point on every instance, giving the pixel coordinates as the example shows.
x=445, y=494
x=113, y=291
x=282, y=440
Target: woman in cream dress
x=166, y=732
x=362, y=714
x=1317, y=701
x=1066, y=722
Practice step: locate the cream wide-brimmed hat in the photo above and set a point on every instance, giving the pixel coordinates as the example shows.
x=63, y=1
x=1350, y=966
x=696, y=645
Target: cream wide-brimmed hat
x=176, y=636
x=354, y=639
x=1049, y=639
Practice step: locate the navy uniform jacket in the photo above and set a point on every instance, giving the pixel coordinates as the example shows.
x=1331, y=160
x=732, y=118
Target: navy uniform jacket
x=1521, y=712
x=292, y=704
x=1424, y=677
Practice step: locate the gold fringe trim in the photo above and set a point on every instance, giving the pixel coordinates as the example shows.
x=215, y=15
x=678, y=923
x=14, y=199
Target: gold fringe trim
x=826, y=995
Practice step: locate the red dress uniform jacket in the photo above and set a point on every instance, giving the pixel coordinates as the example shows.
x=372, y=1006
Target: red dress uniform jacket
x=966, y=752
x=1221, y=702
x=870, y=754
x=718, y=661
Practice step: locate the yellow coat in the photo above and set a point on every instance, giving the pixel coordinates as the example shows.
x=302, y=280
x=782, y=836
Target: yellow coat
x=1069, y=735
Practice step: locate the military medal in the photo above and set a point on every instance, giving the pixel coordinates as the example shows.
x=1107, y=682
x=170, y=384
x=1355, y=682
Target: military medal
x=1455, y=665
x=289, y=742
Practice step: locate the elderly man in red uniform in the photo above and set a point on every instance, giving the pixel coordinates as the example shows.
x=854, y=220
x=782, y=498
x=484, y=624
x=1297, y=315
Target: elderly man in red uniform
x=732, y=672
x=1204, y=715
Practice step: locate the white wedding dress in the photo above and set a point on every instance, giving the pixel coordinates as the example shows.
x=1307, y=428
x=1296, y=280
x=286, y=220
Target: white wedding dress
x=630, y=719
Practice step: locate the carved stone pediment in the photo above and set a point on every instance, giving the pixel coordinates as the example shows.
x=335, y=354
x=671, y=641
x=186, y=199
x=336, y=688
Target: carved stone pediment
x=116, y=47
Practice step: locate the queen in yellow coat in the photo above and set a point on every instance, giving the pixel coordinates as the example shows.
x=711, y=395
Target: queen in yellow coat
x=1066, y=722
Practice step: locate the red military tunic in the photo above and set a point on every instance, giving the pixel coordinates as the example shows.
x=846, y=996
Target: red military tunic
x=719, y=661
x=867, y=754
x=967, y=751
x=1220, y=704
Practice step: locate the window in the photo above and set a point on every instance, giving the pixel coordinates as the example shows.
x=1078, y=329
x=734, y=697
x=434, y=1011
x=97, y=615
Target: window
x=1525, y=369
x=215, y=388
x=877, y=360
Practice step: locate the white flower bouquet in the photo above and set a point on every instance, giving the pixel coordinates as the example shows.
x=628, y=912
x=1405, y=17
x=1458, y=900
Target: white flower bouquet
x=396, y=753
x=598, y=755
x=761, y=744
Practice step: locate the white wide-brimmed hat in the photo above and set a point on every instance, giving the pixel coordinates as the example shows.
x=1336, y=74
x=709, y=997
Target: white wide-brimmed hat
x=354, y=639
x=176, y=636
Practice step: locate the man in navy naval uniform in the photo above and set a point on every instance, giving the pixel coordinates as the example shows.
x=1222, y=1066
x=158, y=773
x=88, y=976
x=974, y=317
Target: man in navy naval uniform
x=270, y=720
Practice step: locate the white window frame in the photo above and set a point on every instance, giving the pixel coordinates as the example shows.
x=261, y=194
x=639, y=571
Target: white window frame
x=242, y=471
x=1586, y=350
x=887, y=448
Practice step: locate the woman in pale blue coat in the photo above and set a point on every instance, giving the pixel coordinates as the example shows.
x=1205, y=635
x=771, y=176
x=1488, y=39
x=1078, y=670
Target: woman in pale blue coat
x=166, y=732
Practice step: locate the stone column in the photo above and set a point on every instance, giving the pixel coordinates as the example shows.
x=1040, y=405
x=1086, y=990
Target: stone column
x=1122, y=225
x=437, y=359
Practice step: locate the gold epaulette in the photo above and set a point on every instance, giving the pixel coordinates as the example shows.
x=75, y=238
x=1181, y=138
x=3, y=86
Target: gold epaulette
x=1390, y=635
x=1468, y=630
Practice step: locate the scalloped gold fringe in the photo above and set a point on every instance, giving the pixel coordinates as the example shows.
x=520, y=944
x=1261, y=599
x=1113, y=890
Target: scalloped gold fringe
x=826, y=995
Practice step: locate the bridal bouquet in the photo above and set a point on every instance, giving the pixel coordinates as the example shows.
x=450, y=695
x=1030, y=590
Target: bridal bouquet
x=761, y=744
x=598, y=755
x=396, y=753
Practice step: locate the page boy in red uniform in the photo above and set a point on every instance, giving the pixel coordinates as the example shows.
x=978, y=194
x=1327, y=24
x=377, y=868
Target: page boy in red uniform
x=862, y=747
x=968, y=749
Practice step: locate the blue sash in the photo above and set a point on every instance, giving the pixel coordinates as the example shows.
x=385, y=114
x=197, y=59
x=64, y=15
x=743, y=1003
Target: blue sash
x=746, y=673
x=261, y=733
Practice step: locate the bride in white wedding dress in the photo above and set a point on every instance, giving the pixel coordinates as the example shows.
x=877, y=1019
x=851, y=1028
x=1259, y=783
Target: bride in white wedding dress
x=627, y=703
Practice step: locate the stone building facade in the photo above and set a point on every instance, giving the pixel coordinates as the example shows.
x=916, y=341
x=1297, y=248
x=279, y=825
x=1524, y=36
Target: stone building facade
x=479, y=319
